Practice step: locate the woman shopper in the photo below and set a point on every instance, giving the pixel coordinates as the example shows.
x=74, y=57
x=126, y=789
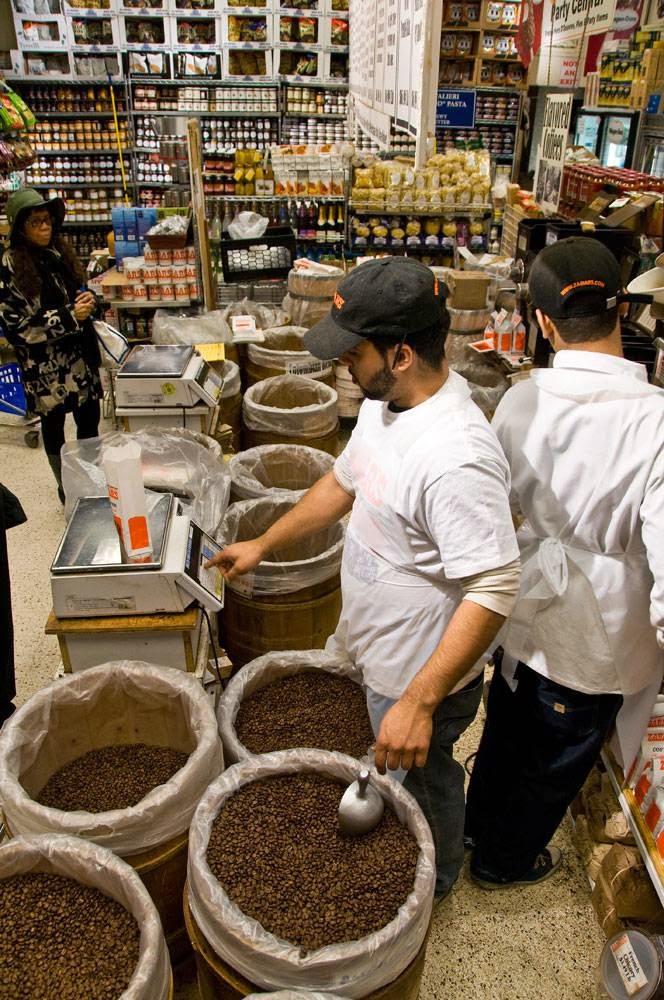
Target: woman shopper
x=45, y=315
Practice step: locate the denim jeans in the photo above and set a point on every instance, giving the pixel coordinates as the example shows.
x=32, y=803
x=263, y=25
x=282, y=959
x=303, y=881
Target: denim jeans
x=537, y=749
x=438, y=787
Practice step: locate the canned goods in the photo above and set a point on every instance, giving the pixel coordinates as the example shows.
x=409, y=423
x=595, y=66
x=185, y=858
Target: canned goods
x=165, y=257
x=165, y=274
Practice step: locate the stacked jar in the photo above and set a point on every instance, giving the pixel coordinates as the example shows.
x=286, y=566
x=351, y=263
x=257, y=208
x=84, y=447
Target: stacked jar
x=78, y=170
x=75, y=135
x=315, y=100
x=261, y=99
x=160, y=276
x=72, y=100
x=89, y=204
x=313, y=131
x=221, y=135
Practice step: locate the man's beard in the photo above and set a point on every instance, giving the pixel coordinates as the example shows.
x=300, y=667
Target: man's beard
x=380, y=384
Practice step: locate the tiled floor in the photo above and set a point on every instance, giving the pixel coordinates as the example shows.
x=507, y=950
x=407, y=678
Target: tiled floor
x=540, y=943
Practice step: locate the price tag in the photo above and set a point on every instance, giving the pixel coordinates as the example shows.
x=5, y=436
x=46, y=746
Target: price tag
x=243, y=584
x=306, y=367
x=628, y=965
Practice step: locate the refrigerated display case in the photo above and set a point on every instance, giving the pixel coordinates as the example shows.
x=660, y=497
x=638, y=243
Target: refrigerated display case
x=608, y=133
x=649, y=155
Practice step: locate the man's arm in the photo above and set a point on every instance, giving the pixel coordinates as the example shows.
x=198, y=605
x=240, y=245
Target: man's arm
x=324, y=504
x=405, y=733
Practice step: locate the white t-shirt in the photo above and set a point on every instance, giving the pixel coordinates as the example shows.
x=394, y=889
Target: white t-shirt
x=585, y=444
x=431, y=507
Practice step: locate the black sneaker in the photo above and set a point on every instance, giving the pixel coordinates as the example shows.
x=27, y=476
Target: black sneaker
x=546, y=863
x=468, y=842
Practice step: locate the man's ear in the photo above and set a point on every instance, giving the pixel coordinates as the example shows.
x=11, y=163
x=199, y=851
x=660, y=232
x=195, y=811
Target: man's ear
x=545, y=325
x=404, y=359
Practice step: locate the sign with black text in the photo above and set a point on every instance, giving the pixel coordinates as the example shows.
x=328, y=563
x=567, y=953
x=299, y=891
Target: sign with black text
x=551, y=151
x=565, y=19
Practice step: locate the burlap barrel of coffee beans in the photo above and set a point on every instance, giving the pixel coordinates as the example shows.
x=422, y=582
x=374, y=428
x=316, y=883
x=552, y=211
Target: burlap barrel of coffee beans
x=283, y=353
x=115, y=704
x=89, y=865
x=353, y=968
x=230, y=402
x=294, y=995
x=172, y=461
x=274, y=469
x=291, y=409
x=487, y=384
x=307, y=562
x=311, y=289
x=294, y=698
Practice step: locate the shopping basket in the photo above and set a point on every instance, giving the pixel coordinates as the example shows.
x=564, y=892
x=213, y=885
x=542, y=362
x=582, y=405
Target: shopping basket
x=12, y=399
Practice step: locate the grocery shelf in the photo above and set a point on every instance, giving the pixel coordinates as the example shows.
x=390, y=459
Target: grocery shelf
x=206, y=114
x=494, y=121
x=77, y=187
x=98, y=224
x=78, y=114
x=81, y=152
x=642, y=835
x=444, y=210
x=153, y=304
x=316, y=114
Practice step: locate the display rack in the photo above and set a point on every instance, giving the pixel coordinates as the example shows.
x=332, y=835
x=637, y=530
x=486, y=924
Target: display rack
x=641, y=833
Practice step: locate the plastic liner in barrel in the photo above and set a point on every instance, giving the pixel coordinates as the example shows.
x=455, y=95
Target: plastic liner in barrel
x=122, y=702
x=354, y=968
x=266, y=316
x=277, y=469
x=263, y=671
x=171, y=326
x=294, y=995
x=172, y=461
x=302, y=564
x=283, y=351
x=89, y=864
x=487, y=384
x=291, y=405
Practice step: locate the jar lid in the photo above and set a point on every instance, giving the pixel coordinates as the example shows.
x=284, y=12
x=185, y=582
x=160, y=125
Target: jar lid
x=631, y=951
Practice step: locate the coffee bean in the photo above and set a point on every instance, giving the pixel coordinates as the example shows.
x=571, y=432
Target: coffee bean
x=304, y=711
x=59, y=938
x=277, y=850
x=114, y=777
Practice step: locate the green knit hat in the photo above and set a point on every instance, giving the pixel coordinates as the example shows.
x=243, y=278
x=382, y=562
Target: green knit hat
x=22, y=202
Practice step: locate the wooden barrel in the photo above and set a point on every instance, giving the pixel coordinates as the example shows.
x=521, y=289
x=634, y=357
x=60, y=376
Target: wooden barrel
x=218, y=981
x=163, y=872
x=328, y=442
x=300, y=620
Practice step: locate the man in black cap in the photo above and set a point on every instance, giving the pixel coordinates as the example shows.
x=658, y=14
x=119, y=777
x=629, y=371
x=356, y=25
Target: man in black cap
x=430, y=567
x=585, y=444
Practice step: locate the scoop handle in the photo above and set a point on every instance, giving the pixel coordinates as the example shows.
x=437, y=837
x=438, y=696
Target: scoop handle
x=363, y=781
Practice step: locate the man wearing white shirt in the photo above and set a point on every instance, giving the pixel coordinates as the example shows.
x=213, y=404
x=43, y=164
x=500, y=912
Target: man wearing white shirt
x=430, y=568
x=585, y=444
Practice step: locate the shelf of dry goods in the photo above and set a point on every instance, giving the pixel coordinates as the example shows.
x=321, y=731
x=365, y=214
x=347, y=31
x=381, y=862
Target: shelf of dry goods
x=642, y=835
x=112, y=151
x=78, y=114
x=443, y=212
x=188, y=112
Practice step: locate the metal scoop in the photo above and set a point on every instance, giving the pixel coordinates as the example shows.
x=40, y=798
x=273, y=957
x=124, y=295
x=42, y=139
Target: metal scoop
x=361, y=807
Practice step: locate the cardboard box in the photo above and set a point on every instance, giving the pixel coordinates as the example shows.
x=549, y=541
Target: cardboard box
x=468, y=289
x=631, y=215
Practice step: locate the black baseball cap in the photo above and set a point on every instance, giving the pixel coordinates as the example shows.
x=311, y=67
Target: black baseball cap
x=578, y=276
x=390, y=297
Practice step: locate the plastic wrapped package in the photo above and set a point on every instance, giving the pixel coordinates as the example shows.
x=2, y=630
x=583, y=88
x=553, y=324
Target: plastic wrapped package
x=310, y=293
x=277, y=469
x=266, y=316
x=352, y=969
x=121, y=702
x=487, y=384
x=172, y=326
x=261, y=672
x=303, y=564
x=173, y=461
x=283, y=351
x=89, y=864
x=290, y=405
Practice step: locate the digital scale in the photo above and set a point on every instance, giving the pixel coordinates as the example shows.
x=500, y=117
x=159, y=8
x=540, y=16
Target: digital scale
x=166, y=375
x=89, y=578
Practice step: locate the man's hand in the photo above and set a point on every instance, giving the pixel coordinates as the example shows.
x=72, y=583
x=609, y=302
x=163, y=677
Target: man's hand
x=84, y=305
x=237, y=559
x=404, y=737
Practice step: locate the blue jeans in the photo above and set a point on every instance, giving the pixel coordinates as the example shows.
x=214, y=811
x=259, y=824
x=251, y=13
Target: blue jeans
x=537, y=749
x=438, y=787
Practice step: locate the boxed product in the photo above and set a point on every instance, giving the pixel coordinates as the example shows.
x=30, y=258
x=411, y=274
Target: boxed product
x=468, y=290
x=630, y=886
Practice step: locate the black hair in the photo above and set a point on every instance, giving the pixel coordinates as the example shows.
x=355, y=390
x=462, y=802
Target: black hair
x=428, y=344
x=586, y=329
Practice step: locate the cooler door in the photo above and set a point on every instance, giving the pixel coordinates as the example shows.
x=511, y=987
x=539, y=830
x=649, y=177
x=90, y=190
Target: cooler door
x=616, y=141
x=587, y=131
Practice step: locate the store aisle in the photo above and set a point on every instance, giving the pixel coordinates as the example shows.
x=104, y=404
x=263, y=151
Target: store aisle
x=521, y=944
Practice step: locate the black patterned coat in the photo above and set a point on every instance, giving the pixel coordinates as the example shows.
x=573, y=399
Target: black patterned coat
x=58, y=356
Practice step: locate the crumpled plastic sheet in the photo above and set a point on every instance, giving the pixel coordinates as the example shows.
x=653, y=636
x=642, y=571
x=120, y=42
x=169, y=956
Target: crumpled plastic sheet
x=230, y=375
x=487, y=384
x=282, y=348
x=247, y=226
x=291, y=405
x=277, y=469
x=304, y=564
x=171, y=326
x=261, y=672
x=124, y=701
x=266, y=316
x=89, y=864
x=173, y=461
x=351, y=969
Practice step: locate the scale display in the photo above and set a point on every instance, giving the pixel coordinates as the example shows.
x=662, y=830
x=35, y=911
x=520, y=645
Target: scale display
x=91, y=543
x=150, y=360
x=201, y=548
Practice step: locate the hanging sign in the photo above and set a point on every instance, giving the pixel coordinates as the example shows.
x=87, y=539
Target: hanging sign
x=374, y=123
x=405, y=46
x=565, y=19
x=558, y=66
x=455, y=109
x=551, y=151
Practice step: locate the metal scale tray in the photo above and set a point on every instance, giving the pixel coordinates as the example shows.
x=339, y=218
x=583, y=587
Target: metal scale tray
x=152, y=361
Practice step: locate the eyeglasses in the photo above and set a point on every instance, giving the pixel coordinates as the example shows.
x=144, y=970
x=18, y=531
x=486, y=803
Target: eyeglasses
x=44, y=220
